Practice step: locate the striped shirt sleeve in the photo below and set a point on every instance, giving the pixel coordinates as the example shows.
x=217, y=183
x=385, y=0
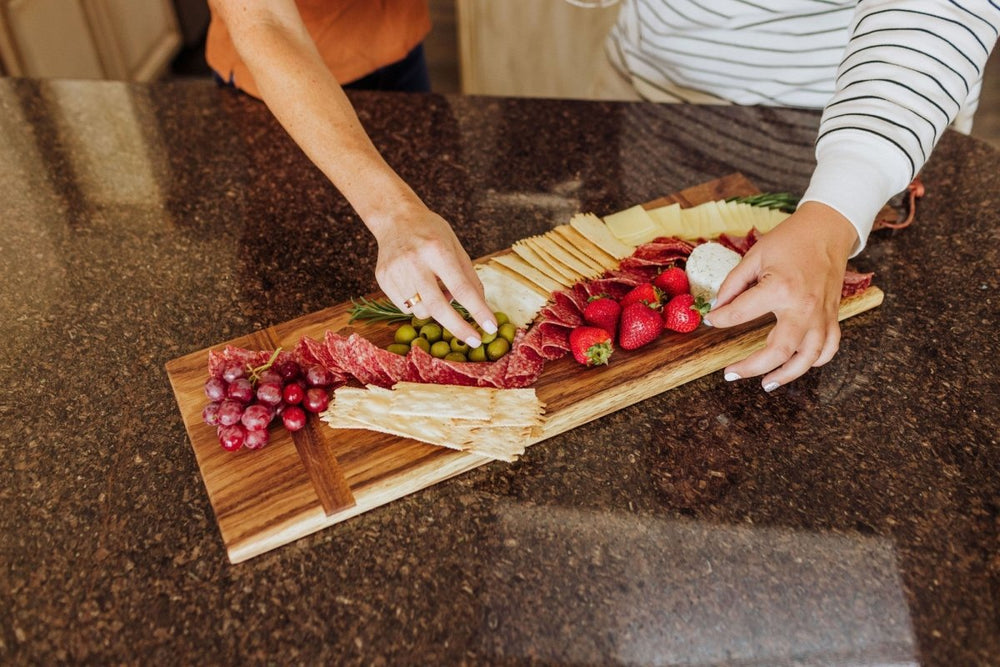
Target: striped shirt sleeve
x=911, y=68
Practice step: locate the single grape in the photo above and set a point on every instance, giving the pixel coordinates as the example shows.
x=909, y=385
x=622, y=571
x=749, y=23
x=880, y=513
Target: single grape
x=230, y=412
x=270, y=375
x=232, y=437
x=233, y=372
x=289, y=370
x=316, y=399
x=256, y=417
x=210, y=415
x=293, y=393
x=240, y=389
x=215, y=389
x=318, y=376
x=269, y=393
x=294, y=418
x=257, y=439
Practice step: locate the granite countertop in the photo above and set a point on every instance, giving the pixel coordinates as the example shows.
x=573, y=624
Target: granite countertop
x=851, y=517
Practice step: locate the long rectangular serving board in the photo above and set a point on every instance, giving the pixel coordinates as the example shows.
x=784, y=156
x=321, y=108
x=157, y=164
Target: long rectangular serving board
x=304, y=482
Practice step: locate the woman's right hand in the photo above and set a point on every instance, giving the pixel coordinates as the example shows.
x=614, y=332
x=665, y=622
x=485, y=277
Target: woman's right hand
x=419, y=254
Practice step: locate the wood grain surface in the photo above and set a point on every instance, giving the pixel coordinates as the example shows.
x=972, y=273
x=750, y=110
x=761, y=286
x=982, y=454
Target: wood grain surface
x=319, y=476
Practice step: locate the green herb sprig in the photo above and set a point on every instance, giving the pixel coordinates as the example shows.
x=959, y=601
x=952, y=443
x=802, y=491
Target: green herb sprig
x=384, y=310
x=783, y=201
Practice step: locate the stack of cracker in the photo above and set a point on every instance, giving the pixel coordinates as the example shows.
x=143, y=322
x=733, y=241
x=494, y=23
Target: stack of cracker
x=496, y=423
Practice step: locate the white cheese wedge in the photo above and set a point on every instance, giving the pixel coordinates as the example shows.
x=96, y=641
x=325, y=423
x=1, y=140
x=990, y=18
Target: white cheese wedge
x=707, y=266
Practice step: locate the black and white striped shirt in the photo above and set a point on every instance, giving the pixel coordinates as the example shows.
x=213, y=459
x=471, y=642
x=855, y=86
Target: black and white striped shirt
x=910, y=69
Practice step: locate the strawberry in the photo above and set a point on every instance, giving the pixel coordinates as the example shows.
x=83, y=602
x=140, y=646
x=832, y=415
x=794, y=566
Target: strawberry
x=590, y=345
x=646, y=293
x=603, y=311
x=638, y=326
x=683, y=313
x=673, y=281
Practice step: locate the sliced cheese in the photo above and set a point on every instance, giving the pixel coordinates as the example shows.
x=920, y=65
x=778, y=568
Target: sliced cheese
x=584, y=246
x=667, y=219
x=594, y=229
x=632, y=226
x=529, y=255
x=513, y=263
x=544, y=250
x=547, y=243
x=508, y=295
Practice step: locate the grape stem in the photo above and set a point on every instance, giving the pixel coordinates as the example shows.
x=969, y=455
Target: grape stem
x=254, y=373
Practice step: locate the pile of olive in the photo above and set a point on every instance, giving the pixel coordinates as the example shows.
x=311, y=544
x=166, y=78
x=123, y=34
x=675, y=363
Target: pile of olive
x=439, y=342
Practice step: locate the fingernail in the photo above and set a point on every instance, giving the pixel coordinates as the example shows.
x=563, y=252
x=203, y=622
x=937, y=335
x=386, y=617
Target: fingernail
x=771, y=386
x=704, y=320
x=490, y=327
x=473, y=341
x=732, y=377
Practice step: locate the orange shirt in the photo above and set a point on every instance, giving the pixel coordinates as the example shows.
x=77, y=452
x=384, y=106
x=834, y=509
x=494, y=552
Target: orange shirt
x=354, y=37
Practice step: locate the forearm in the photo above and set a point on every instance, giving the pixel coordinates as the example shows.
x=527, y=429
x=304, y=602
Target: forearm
x=909, y=70
x=309, y=103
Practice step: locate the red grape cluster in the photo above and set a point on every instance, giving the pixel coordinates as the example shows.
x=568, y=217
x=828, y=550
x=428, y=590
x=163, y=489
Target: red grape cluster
x=244, y=402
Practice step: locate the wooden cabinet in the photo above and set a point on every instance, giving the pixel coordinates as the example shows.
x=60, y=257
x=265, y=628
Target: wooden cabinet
x=532, y=48
x=88, y=39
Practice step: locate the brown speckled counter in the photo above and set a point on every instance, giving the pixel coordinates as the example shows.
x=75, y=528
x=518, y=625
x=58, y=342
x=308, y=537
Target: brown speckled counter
x=849, y=518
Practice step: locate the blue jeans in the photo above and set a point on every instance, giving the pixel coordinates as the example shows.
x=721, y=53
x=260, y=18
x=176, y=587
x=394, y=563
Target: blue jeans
x=407, y=75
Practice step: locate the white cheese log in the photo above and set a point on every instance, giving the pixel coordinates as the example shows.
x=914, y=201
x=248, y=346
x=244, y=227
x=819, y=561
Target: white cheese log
x=707, y=266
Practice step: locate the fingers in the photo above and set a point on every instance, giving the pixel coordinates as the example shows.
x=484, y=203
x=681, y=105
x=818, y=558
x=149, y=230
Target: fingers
x=792, y=348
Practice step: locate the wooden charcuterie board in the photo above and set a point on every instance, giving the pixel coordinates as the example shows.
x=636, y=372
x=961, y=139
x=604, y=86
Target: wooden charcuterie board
x=302, y=483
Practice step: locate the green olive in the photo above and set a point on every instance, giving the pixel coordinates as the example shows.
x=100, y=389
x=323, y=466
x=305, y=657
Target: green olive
x=455, y=356
x=440, y=349
x=487, y=338
x=507, y=331
x=501, y=318
x=405, y=334
x=446, y=335
x=418, y=322
x=421, y=343
x=477, y=353
x=497, y=349
x=432, y=332
x=399, y=348
x=459, y=345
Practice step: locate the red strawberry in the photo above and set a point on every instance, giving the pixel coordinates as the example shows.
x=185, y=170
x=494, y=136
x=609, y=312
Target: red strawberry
x=673, y=281
x=603, y=311
x=639, y=325
x=642, y=293
x=683, y=313
x=590, y=345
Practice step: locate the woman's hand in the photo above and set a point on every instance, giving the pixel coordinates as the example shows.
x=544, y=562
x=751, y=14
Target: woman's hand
x=795, y=271
x=414, y=254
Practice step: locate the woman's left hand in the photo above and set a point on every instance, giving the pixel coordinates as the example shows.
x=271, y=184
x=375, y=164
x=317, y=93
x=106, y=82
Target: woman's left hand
x=795, y=271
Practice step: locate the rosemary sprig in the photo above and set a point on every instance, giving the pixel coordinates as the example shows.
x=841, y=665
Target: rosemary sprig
x=383, y=310
x=783, y=201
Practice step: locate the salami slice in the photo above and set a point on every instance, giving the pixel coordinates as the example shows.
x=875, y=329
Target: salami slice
x=219, y=360
x=855, y=283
